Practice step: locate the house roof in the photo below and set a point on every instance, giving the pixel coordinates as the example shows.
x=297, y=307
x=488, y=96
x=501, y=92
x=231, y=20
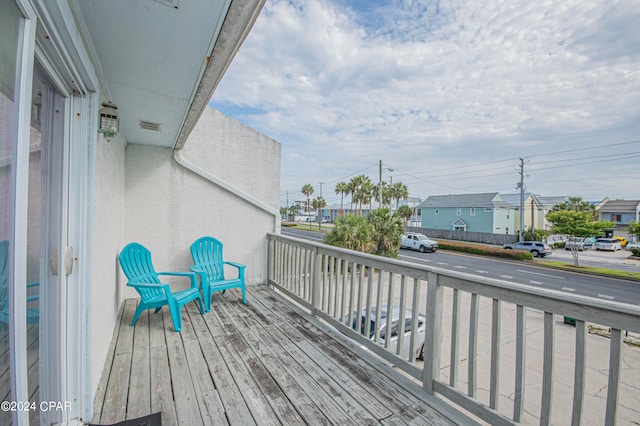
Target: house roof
x=514, y=199
x=161, y=60
x=485, y=200
x=620, y=206
x=549, y=202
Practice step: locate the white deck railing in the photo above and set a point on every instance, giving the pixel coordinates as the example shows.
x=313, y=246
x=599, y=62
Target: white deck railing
x=486, y=325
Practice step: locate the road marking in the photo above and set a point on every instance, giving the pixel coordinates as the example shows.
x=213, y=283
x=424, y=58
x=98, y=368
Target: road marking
x=509, y=277
x=535, y=282
x=568, y=289
x=442, y=263
x=479, y=271
x=542, y=275
x=606, y=296
x=460, y=267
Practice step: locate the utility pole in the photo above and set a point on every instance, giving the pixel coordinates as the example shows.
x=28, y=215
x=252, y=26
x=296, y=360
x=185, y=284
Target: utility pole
x=521, y=186
x=380, y=186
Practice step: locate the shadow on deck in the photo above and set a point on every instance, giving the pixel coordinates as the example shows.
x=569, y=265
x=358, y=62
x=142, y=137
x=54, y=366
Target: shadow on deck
x=261, y=363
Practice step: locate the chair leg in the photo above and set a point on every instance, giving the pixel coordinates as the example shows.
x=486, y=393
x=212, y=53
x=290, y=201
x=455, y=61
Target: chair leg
x=201, y=305
x=207, y=299
x=139, y=310
x=244, y=295
x=176, y=316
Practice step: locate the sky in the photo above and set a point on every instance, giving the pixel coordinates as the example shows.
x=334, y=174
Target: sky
x=449, y=94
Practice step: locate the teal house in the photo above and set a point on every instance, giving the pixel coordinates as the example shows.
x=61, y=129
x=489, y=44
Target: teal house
x=486, y=212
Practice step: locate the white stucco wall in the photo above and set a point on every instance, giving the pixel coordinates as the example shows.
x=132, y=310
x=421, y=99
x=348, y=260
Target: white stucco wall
x=108, y=231
x=168, y=207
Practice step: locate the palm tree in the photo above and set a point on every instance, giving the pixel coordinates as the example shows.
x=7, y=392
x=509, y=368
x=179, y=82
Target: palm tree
x=358, y=193
x=400, y=192
x=342, y=188
x=577, y=204
x=353, y=233
x=388, y=232
x=307, y=190
x=319, y=203
x=405, y=213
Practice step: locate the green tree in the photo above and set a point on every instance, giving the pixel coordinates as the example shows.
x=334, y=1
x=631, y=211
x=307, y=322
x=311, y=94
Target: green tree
x=342, y=189
x=577, y=224
x=353, y=233
x=388, y=232
x=319, y=203
x=307, y=190
x=634, y=228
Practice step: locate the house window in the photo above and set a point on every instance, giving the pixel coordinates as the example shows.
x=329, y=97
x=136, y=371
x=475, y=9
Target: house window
x=616, y=218
x=488, y=209
x=507, y=214
x=472, y=211
x=458, y=211
x=437, y=212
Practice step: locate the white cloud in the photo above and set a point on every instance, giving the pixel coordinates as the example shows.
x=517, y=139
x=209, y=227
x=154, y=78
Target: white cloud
x=428, y=86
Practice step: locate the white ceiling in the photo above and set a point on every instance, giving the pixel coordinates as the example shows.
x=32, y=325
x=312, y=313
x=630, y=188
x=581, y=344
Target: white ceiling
x=153, y=54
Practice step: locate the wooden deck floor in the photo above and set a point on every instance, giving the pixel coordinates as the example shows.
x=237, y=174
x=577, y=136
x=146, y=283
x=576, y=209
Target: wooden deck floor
x=261, y=363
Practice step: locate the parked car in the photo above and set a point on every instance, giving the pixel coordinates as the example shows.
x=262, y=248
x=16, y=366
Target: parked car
x=580, y=244
x=623, y=241
x=635, y=244
x=536, y=248
x=608, y=244
x=420, y=242
x=394, y=321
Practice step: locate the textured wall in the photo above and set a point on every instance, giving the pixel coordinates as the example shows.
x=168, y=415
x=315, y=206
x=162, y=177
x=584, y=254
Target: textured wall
x=108, y=229
x=168, y=206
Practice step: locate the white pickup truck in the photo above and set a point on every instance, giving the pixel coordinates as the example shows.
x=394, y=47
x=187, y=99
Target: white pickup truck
x=420, y=242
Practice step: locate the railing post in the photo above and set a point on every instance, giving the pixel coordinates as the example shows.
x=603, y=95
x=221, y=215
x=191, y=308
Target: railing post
x=433, y=337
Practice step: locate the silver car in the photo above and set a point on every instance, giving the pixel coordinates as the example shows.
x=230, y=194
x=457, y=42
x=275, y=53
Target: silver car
x=358, y=322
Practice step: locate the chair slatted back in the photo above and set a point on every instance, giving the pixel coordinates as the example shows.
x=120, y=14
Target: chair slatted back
x=135, y=260
x=207, y=254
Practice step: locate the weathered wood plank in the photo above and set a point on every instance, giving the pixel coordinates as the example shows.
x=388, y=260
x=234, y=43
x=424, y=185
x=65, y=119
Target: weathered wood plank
x=115, y=401
x=140, y=380
x=184, y=396
x=160, y=375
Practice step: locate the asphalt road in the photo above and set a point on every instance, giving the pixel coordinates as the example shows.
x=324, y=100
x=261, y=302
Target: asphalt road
x=623, y=291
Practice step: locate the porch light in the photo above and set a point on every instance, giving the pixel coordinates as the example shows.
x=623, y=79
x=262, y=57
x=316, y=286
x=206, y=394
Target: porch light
x=109, y=124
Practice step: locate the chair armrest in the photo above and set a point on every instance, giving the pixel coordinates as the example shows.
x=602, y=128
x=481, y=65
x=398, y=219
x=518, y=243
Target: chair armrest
x=191, y=275
x=236, y=265
x=29, y=285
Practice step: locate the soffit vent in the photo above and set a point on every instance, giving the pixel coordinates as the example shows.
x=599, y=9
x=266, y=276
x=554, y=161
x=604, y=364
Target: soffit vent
x=150, y=125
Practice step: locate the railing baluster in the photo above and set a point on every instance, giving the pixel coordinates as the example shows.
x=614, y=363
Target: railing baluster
x=368, y=304
x=379, y=305
x=414, y=320
x=547, y=366
x=494, y=391
x=473, y=343
x=389, y=303
x=344, y=265
x=615, y=352
x=579, y=372
x=455, y=329
x=315, y=280
x=401, y=319
x=521, y=346
x=332, y=295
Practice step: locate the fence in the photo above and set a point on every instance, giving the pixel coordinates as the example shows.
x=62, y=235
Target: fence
x=472, y=237
x=484, y=324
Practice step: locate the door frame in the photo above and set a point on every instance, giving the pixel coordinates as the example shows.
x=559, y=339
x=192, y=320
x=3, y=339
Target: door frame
x=50, y=36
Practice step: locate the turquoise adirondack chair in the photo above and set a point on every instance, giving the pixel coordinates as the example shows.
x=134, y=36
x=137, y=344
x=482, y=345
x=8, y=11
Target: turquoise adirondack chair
x=209, y=264
x=33, y=314
x=135, y=260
